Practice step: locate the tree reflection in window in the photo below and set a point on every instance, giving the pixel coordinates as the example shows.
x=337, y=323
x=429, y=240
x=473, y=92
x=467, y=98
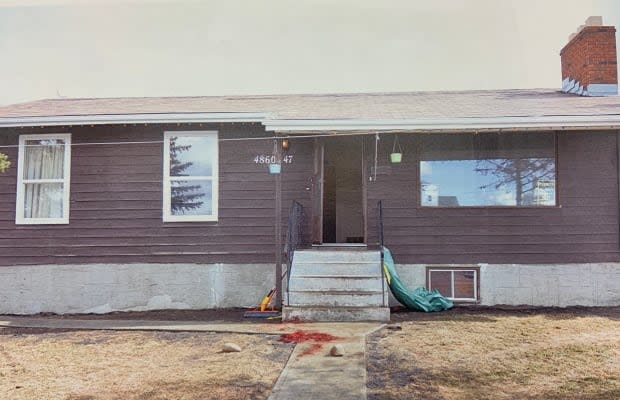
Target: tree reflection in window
x=184, y=196
x=528, y=176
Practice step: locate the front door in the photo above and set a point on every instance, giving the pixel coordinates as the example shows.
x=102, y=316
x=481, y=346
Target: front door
x=338, y=191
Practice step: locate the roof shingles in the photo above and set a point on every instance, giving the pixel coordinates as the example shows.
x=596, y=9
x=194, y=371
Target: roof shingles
x=411, y=105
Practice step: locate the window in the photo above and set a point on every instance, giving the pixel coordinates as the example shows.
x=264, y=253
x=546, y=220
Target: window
x=455, y=283
x=491, y=169
x=190, y=176
x=43, y=175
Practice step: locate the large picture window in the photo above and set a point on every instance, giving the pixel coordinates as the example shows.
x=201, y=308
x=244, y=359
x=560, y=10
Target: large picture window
x=43, y=175
x=491, y=169
x=190, y=176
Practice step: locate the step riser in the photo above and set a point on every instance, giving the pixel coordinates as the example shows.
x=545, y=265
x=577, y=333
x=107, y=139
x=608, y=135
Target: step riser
x=344, y=283
x=336, y=256
x=379, y=314
x=358, y=299
x=298, y=298
x=316, y=268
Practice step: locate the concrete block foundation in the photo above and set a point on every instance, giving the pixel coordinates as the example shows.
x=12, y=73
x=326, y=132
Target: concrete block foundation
x=103, y=288
x=550, y=285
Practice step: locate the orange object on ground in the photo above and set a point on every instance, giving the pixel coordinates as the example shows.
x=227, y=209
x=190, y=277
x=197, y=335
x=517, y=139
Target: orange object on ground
x=261, y=311
x=267, y=300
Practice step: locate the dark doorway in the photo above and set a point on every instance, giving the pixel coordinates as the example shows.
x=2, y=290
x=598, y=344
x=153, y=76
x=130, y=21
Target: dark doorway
x=343, y=211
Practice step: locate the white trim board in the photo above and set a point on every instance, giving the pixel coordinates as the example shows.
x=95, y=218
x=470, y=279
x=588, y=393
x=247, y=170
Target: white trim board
x=448, y=124
x=271, y=123
x=106, y=119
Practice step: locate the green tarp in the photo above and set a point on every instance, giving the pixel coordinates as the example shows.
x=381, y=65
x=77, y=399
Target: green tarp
x=419, y=299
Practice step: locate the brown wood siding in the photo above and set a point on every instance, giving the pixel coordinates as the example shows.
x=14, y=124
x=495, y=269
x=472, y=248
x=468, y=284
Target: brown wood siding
x=116, y=201
x=583, y=229
x=116, y=206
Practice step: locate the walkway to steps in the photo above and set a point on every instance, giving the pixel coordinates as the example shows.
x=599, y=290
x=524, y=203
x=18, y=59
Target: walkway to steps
x=305, y=376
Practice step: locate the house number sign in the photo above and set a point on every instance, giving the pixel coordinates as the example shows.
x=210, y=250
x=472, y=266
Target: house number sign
x=272, y=159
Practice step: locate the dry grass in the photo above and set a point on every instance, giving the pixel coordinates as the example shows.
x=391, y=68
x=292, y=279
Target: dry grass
x=137, y=365
x=478, y=356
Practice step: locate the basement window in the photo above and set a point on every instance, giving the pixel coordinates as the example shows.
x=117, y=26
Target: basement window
x=190, y=176
x=43, y=175
x=455, y=283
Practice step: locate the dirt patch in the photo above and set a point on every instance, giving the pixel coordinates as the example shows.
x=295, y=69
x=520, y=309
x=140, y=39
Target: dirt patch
x=56, y=364
x=498, y=354
x=399, y=314
x=211, y=315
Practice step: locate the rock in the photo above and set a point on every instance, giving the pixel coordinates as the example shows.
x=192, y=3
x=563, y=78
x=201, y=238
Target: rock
x=231, y=348
x=395, y=327
x=337, y=350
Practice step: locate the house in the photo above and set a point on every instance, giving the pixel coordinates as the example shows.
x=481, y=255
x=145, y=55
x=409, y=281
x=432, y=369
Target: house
x=499, y=197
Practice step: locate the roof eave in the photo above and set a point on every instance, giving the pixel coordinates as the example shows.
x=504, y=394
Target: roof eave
x=115, y=119
x=594, y=122
x=559, y=122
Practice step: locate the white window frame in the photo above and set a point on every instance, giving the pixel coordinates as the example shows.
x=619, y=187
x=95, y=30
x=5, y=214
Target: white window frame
x=20, y=219
x=167, y=215
x=452, y=271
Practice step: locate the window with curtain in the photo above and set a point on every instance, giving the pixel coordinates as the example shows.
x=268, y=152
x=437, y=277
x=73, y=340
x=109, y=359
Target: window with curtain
x=43, y=173
x=190, y=176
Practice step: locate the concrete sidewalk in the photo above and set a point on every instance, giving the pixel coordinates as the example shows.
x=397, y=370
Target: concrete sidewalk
x=319, y=376
x=306, y=376
x=143, y=325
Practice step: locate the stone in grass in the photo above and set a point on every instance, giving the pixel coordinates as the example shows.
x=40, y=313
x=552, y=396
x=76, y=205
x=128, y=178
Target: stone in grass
x=337, y=350
x=395, y=327
x=231, y=348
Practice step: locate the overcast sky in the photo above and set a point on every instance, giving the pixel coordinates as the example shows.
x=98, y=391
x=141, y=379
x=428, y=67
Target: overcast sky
x=186, y=48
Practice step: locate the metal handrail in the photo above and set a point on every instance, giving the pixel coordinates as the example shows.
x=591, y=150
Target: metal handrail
x=380, y=237
x=294, y=235
x=380, y=224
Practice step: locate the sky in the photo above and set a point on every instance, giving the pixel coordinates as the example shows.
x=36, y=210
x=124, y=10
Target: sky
x=116, y=48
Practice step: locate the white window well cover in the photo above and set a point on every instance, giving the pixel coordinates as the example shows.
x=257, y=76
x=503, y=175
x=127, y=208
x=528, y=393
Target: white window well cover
x=190, y=176
x=456, y=284
x=43, y=179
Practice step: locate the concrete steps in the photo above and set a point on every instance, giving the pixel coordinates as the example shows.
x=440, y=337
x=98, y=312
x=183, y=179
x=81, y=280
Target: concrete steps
x=331, y=314
x=336, y=285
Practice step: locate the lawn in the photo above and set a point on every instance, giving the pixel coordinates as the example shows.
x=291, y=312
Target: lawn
x=464, y=353
x=83, y=365
x=490, y=354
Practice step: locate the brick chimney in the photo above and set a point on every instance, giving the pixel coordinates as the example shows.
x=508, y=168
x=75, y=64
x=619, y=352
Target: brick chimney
x=589, y=60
